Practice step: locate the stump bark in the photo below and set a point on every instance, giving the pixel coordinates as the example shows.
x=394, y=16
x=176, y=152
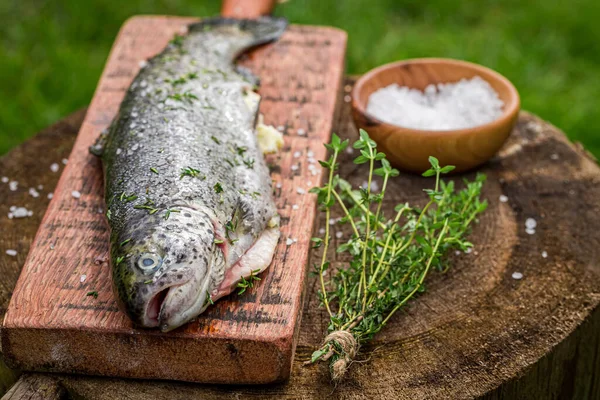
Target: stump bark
x=476, y=332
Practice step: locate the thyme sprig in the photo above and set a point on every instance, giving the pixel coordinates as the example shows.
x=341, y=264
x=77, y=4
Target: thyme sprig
x=390, y=258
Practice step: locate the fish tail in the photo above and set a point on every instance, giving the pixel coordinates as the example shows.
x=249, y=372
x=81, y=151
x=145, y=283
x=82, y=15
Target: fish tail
x=263, y=29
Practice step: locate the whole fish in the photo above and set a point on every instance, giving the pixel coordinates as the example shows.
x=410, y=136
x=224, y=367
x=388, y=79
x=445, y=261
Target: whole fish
x=188, y=193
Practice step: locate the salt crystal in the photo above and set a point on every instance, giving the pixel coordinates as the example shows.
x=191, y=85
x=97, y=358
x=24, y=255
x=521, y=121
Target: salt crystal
x=13, y=185
x=544, y=254
x=295, y=207
x=463, y=104
x=13, y=208
x=65, y=161
x=339, y=234
x=21, y=212
x=347, y=98
x=530, y=231
x=297, y=154
x=331, y=221
x=5, y=179
x=321, y=231
x=82, y=278
x=29, y=213
x=554, y=156
x=289, y=241
x=301, y=132
x=143, y=63
x=281, y=128
x=503, y=198
x=119, y=151
x=10, y=215
x=374, y=186
x=530, y=223
x=54, y=167
x=278, y=185
x=75, y=194
x=40, y=187
x=517, y=276
x=457, y=252
x=468, y=250
x=50, y=196
x=294, y=167
x=11, y=252
x=34, y=193
x=310, y=154
x=349, y=150
x=300, y=191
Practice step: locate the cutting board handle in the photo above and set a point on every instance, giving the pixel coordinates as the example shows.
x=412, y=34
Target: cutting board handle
x=247, y=8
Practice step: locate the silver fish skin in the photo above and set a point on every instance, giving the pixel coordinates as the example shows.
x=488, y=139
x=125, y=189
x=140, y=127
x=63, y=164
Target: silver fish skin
x=188, y=193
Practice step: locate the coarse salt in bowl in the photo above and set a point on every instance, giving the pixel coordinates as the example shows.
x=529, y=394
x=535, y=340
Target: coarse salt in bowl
x=466, y=136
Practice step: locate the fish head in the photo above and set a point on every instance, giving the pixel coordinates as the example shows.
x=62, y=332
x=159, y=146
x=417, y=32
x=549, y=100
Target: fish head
x=163, y=271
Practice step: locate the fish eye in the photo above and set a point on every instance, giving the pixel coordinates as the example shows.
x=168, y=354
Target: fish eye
x=149, y=262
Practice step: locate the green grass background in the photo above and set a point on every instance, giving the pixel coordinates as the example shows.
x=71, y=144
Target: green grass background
x=52, y=51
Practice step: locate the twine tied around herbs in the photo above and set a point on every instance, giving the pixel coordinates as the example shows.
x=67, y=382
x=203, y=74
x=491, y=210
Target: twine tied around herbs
x=349, y=347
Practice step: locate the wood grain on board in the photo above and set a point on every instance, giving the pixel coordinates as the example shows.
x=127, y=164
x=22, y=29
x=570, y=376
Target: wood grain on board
x=51, y=323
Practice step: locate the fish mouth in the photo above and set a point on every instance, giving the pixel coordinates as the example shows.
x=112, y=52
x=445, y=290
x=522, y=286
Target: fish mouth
x=155, y=306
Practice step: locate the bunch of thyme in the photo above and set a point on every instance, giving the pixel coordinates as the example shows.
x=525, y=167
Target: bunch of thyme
x=389, y=258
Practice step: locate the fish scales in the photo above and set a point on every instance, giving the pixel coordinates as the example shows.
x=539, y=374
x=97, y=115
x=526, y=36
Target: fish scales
x=188, y=193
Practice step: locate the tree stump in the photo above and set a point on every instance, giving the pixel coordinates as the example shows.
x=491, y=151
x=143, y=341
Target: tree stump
x=476, y=333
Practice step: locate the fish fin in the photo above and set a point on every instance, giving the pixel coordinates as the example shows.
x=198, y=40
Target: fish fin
x=263, y=30
x=98, y=147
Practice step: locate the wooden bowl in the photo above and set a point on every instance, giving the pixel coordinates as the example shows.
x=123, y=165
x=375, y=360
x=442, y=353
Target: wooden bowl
x=409, y=149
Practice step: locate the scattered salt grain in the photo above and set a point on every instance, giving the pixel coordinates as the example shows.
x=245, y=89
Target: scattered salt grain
x=82, y=278
x=19, y=212
x=294, y=167
x=331, y=221
x=321, y=231
x=54, y=167
x=339, y=234
x=349, y=150
x=301, y=132
x=65, y=161
x=50, y=196
x=300, y=191
x=554, y=156
x=457, y=252
x=530, y=231
x=517, y=276
x=143, y=63
x=40, y=187
x=278, y=185
x=119, y=151
x=347, y=98
x=295, y=207
x=75, y=194
x=13, y=185
x=544, y=254
x=289, y=241
x=310, y=154
x=297, y=154
x=281, y=128
x=4, y=179
x=34, y=193
x=469, y=250
x=11, y=252
x=530, y=223
x=503, y=198
x=463, y=104
x=374, y=186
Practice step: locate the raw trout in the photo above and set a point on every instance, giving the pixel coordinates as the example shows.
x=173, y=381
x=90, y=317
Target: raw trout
x=187, y=190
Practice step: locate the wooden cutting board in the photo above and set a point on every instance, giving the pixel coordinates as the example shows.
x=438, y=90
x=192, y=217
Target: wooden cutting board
x=53, y=325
